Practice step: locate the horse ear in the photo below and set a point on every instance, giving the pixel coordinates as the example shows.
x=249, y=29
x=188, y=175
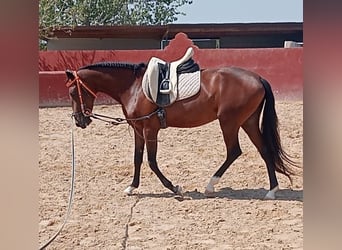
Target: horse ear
x=70, y=74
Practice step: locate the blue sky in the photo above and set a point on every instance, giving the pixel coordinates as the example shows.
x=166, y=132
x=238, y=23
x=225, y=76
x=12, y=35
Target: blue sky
x=242, y=11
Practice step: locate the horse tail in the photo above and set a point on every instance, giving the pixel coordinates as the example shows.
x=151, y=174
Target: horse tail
x=270, y=133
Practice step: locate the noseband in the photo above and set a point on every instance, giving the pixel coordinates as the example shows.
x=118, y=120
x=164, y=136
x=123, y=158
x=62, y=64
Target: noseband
x=79, y=83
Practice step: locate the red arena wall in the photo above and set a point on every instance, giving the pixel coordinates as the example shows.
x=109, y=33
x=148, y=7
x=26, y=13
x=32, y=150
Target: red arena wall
x=282, y=67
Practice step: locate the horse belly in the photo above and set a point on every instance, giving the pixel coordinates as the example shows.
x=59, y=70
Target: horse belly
x=190, y=115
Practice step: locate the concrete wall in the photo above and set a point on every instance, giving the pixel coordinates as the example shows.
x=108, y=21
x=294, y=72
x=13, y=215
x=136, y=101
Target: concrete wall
x=282, y=67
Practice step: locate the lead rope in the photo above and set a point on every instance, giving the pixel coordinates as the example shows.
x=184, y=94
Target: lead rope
x=117, y=121
x=71, y=188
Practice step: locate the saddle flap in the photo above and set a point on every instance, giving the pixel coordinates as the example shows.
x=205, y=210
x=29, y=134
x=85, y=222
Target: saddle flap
x=164, y=74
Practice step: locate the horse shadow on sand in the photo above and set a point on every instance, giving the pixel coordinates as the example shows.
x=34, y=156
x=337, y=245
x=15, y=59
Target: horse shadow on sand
x=230, y=194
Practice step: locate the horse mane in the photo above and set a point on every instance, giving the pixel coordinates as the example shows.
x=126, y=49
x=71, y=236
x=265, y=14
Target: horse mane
x=135, y=67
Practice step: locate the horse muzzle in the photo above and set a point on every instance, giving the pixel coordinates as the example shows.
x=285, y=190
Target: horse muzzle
x=81, y=120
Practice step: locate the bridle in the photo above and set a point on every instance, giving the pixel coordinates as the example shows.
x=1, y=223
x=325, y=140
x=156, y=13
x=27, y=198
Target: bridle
x=88, y=113
x=79, y=83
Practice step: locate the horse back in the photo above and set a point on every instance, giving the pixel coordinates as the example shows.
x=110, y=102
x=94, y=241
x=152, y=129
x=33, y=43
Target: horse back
x=232, y=84
x=226, y=91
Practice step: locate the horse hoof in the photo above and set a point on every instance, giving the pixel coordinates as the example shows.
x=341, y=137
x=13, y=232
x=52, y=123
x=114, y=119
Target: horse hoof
x=209, y=193
x=271, y=194
x=178, y=190
x=129, y=190
x=209, y=190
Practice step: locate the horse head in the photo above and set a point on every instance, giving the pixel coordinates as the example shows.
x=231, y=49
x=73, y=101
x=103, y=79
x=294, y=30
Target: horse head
x=82, y=98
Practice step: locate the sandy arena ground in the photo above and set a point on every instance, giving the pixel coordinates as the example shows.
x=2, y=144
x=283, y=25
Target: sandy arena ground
x=103, y=217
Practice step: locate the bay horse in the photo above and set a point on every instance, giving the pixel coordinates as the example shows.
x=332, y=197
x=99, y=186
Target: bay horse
x=235, y=96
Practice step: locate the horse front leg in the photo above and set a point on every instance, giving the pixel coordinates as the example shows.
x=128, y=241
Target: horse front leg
x=139, y=144
x=151, y=146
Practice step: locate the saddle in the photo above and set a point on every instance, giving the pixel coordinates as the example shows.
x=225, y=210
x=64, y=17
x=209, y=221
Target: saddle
x=161, y=79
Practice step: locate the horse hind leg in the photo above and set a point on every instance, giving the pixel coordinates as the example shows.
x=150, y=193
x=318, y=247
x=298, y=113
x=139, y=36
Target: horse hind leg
x=230, y=135
x=251, y=127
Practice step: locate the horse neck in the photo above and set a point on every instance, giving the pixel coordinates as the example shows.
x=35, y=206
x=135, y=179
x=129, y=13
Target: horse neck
x=118, y=84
